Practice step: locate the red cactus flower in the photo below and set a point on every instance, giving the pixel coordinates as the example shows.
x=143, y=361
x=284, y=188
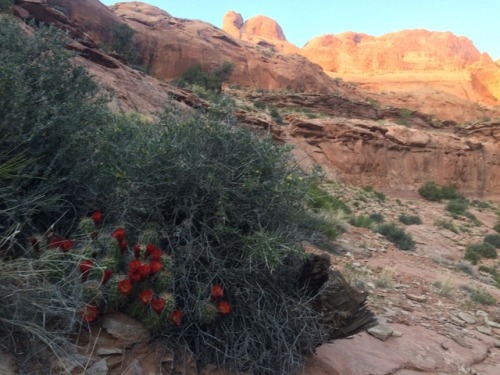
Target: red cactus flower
x=156, y=254
x=134, y=265
x=146, y=296
x=125, y=287
x=223, y=307
x=217, y=291
x=177, y=316
x=66, y=245
x=137, y=251
x=144, y=271
x=155, y=266
x=89, y=313
x=96, y=217
x=158, y=304
x=134, y=277
x=119, y=234
x=123, y=245
x=106, y=276
x=149, y=249
x=55, y=241
x=85, y=267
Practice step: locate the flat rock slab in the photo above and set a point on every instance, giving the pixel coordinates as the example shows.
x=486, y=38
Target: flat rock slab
x=124, y=328
x=418, y=349
x=381, y=331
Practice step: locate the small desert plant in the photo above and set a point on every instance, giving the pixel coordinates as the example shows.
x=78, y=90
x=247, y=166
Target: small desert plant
x=386, y=278
x=259, y=104
x=465, y=267
x=276, y=115
x=493, y=271
x=211, y=81
x=497, y=225
x=320, y=199
x=409, y=219
x=445, y=287
x=397, y=236
x=362, y=221
x=493, y=239
x=480, y=295
x=123, y=42
x=446, y=224
x=405, y=116
x=457, y=207
x=475, y=252
x=377, y=217
x=434, y=192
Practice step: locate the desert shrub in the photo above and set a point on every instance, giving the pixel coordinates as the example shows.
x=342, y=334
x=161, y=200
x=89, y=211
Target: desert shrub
x=457, y=207
x=376, y=194
x=320, y=199
x=211, y=81
x=409, y=219
x=497, y=225
x=466, y=267
x=446, y=224
x=475, y=252
x=49, y=110
x=434, y=192
x=480, y=295
x=259, y=104
x=377, y=217
x=493, y=239
x=397, y=236
x=123, y=42
x=275, y=114
x=362, y=221
x=5, y=4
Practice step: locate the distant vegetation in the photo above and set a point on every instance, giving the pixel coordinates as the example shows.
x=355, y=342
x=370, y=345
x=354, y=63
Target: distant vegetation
x=434, y=192
x=210, y=81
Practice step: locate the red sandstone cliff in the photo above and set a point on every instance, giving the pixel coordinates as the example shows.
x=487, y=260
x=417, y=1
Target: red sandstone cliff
x=400, y=62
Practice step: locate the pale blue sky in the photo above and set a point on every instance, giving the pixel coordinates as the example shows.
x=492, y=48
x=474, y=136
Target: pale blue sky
x=302, y=20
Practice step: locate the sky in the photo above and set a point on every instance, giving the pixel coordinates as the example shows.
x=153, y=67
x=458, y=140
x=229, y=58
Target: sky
x=301, y=20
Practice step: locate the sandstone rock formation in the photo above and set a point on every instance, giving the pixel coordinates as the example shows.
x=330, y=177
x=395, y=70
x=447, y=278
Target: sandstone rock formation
x=185, y=43
x=260, y=30
x=394, y=156
x=407, y=59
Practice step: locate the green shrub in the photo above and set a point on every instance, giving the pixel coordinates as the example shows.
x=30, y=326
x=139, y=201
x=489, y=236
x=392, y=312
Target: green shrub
x=49, y=110
x=320, y=199
x=480, y=295
x=409, y=219
x=377, y=217
x=457, y=207
x=446, y=224
x=497, y=226
x=397, y=236
x=434, y=192
x=493, y=239
x=276, y=116
x=5, y=4
x=211, y=81
x=476, y=251
x=123, y=43
x=362, y=221
x=259, y=104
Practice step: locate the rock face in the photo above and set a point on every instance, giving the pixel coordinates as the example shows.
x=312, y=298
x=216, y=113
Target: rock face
x=185, y=43
x=260, y=30
x=407, y=59
x=368, y=153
